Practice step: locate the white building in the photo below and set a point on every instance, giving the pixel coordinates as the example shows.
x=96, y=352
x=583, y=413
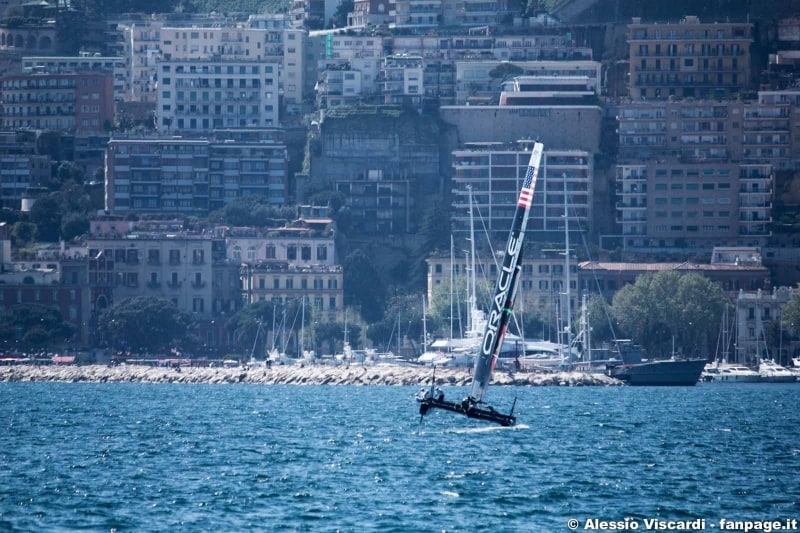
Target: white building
x=474, y=78
x=494, y=172
x=200, y=95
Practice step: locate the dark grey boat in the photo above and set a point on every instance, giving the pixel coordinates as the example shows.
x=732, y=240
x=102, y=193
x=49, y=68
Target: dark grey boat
x=668, y=372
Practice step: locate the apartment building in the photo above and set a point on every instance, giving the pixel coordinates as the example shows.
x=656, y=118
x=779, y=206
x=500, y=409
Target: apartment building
x=338, y=86
x=492, y=174
x=63, y=287
x=379, y=204
x=117, y=66
x=402, y=80
x=701, y=173
x=176, y=175
x=419, y=14
x=480, y=47
x=51, y=101
x=361, y=53
x=21, y=167
x=689, y=58
x=197, y=96
x=265, y=38
x=247, y=168
x=369, y=12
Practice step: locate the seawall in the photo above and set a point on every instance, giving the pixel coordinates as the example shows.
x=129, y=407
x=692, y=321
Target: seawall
x=291, y=375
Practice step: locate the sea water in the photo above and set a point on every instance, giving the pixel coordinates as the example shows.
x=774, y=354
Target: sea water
x=175, y=457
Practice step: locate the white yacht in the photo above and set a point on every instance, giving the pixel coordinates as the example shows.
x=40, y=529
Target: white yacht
x=730, y=373
x=772, y=372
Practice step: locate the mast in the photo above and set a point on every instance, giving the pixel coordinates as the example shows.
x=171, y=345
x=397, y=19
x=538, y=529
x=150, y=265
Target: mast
x=472, y=292
x=424, y=328
x=566, y=275
x=452, y=260
x=506, y=288
x=302, y=326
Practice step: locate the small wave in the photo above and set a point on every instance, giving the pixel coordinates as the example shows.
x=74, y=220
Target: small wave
x=450, y=494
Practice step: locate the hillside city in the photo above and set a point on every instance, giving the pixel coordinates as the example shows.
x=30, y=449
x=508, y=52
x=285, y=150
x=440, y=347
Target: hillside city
x=326, y=165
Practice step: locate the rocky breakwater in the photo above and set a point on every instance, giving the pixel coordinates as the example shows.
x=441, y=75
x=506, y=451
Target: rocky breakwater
x=291, y=375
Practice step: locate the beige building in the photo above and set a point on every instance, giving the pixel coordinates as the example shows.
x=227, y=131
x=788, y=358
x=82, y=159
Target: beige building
x=541, y=286
x=301, y=247
x=699, y=173
x=280, y=282
x=756, y=328
x=689, y=58
x=179, y=266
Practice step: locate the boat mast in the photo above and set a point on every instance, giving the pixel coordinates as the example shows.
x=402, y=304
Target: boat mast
x=452, y=261
x=566, y=273
x=472, y=294
x=302, y=326
x=505, y=291
x=424, y=327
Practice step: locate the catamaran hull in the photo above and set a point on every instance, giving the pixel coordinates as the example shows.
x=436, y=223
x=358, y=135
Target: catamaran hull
x=467, y=409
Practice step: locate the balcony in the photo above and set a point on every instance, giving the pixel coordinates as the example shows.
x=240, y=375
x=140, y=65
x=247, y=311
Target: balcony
x=198, y=284
x=153, y=284
x=174, y=284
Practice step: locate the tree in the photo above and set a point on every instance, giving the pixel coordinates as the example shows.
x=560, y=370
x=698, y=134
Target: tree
x=34, y=326
x=601, y=321
x=145, y=324
x=252, y=211
x=339, y=19
x=790, y=314
x=46, y=214
x=23, y=233
x=658, y=307
x=362, y=286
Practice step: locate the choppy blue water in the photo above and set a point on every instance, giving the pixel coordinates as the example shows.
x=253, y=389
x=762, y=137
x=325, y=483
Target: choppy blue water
x=142, y=457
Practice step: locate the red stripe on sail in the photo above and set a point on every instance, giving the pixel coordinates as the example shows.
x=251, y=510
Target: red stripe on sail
x=525, y=198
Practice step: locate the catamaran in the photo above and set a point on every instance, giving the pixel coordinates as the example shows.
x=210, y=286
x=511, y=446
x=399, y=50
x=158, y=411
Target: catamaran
x=474, y=406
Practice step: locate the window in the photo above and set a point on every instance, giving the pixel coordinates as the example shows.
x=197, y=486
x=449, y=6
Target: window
x=291, y=252
x=305, y=252
x=322, y=255
x=270, y=251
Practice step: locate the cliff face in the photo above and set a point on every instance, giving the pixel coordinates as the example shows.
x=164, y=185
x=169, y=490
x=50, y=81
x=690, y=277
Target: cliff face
x=401, y=145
